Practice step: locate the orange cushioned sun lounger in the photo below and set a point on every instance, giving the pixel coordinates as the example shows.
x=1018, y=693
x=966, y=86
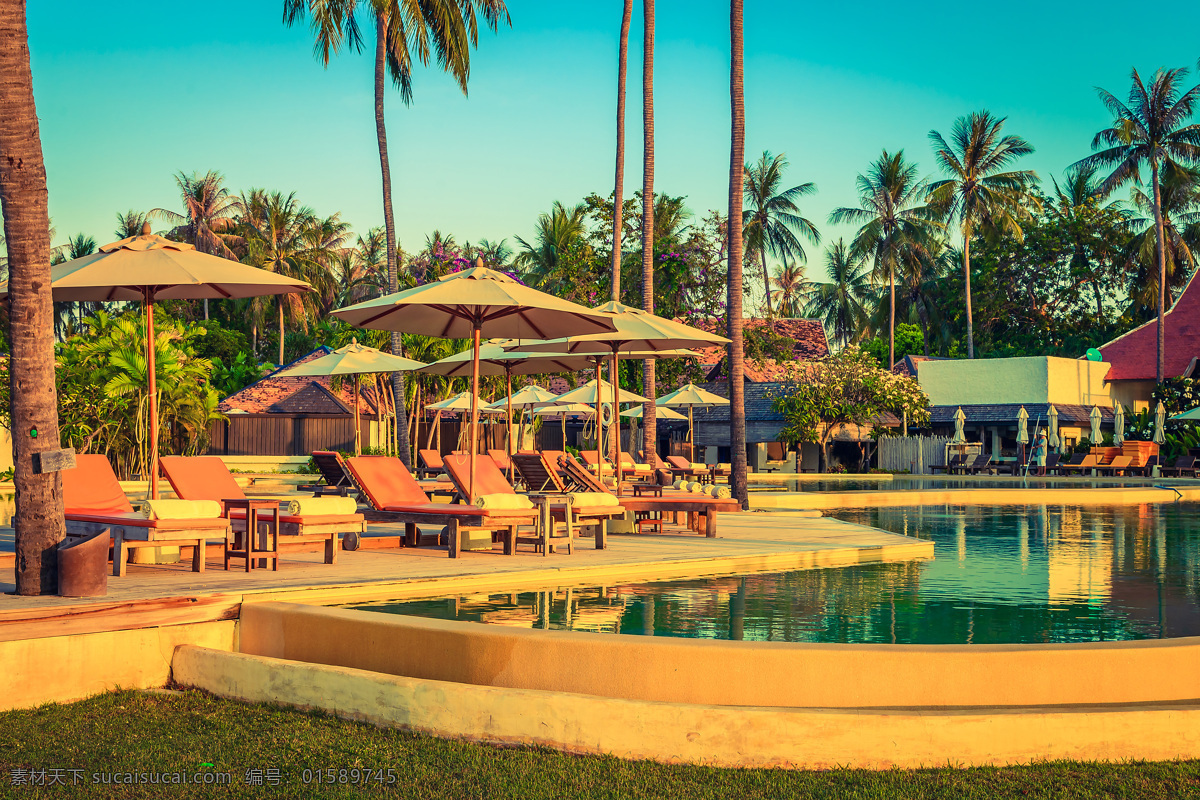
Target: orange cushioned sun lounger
x=95, y=503
x=391, y=489
x=541, y=479
x=207, y=478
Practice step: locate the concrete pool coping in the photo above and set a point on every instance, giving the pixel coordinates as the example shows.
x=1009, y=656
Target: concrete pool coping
x=1116, y=495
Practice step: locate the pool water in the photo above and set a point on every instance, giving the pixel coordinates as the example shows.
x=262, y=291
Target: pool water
x=1002, y=574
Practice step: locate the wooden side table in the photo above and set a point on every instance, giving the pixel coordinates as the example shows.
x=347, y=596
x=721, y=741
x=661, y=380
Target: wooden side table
x=651, y=520
x=248, y=551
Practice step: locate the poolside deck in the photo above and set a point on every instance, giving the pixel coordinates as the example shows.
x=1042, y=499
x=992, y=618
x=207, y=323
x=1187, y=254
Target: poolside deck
x=172, y=594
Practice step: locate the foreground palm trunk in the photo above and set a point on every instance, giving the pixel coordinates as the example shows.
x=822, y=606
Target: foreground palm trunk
x=619, y=182
x=1160, y=352
x=389, y=226
x=967, y=292
x=737, y=161
x=649, y=427
x=39, y=509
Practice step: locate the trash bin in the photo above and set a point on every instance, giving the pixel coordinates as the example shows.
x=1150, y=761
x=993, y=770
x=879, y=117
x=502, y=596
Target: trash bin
x=83, y=566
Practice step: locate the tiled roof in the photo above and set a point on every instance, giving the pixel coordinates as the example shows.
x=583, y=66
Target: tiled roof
x=907, y=366
x=272, y=394
x=759, y=400
x=809, y=336
x=1134, y=356
x=1007, y=413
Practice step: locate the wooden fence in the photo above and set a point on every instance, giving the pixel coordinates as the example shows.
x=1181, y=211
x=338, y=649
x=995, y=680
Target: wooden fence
x=914, y=453
x=284, y=434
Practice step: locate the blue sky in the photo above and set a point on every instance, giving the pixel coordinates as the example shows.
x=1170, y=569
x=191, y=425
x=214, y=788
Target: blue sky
x=127, y=98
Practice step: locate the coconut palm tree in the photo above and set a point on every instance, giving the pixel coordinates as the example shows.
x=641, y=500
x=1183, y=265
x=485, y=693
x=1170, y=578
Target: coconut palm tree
x=619, y=181
x=649, y=423
x=207, y=218
x=735, y=289
x=406, y=32
x=67, y=313
x=981, y=193
x=130, y=224
x=773, y=219
x=559, y=245
x=496, y=255
x=1079, y=206
x=895, y=223
x=790, y=288
x=1151, y=129
x=1180, y=211
x=38, y=521
x=286, y=237
x=842, y=302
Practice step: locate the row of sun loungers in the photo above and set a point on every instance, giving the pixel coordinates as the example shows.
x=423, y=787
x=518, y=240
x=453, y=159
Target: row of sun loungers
x=1078, y=464
x=564, y=497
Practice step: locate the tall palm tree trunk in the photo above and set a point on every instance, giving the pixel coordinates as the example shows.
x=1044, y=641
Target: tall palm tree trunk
x=766, y=278
x=649, y=426
x=39, y=506
x=389, y=221
x=892, y=315
x=737, y=164
x=280, y=362
x=1160, y=352
x=619, y=182
x=967, y=290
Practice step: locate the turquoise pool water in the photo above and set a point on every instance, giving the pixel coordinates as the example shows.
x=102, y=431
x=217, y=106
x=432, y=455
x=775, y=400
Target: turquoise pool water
x=1002, y=574
x=901, y=483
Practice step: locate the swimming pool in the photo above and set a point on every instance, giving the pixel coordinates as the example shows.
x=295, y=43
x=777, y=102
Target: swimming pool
x=902, y=483
x=1002, y=574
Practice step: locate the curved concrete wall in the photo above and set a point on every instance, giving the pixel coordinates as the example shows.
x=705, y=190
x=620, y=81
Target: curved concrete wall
x=728, y=673
x=701, y=734
x=1014, y=495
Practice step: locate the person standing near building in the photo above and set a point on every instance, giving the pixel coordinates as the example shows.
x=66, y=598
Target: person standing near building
x=1039, y=453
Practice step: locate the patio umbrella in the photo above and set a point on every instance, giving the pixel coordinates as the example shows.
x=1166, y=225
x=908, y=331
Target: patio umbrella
x=1160, y=420
x=469, y=304
x=1022, y=430
x=149, y=268
x=960, y=419
x=460, y=402
x=1119, y=424
x=1095, y=420
x=1052, y=424
x=353, y=359
x=692, y=396
x=662, y=413
x=526, y=397
x=600, y=399
x=634, y=330
x=564, y=411
x=1191, y=415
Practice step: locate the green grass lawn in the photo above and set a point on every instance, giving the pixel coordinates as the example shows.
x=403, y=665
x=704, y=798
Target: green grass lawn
x=134, y=732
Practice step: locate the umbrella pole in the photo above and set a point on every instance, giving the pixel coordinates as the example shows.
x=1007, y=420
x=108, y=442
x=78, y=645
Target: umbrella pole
x=508, y=428
x=612, y=370
x=691, y=433
x=357, y=434
x=599, y=424
x=150, y=370
x=474, y=404
x=564, y=430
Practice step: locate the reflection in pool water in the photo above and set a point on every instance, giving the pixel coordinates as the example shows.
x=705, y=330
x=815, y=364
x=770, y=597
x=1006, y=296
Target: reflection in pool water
x=1002, y=574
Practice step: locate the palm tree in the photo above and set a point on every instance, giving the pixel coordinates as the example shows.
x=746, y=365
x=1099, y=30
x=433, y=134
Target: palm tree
x=1078, y=205
x=130, y=224
x=773, y=219
x=1151, y=129
x=790, y=288
x=447, y=30
x=285, y=237
x=737, y=165
x=841, y=303
x=895, y=223
x=980, y=193
x=207, y=218
x=649, y=423
x=550, y=262
x=496, y=255
x=77, y=246
x=34, y=406
x=1180, y=204
x=619, y=181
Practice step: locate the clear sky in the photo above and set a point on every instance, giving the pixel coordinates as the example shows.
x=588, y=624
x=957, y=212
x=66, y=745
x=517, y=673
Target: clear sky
x=130, y=94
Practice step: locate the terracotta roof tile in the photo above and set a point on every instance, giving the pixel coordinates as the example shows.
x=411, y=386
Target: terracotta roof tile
x=270, y=394
x=1134, y=356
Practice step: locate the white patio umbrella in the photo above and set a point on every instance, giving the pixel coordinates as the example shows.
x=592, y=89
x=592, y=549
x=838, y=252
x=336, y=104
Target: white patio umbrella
x=525, y=398
x=460, y=402
x=691, y=396
x=473, y=303
x=563, y=412
x=1023, y=426
x=662, y=413
x=600, y=399
x=1160, y=420
x=960, y=420
x=149, y=268
x=1191, y=415
x=1119, y=424
x=634, y=330
x=1052, y=424
x=1095, y=419
x=354, y=359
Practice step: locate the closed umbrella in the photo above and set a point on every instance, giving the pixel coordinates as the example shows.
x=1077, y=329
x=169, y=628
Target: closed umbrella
x=1023, y=426
x=960, y=420
x=473, y=303
x=1160, y=420
x=354, y=359
x=633, y=330
x=1095, y=420
x=1052, y=423
x=691, y=396
x=1119, y=424
x=149, y=268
